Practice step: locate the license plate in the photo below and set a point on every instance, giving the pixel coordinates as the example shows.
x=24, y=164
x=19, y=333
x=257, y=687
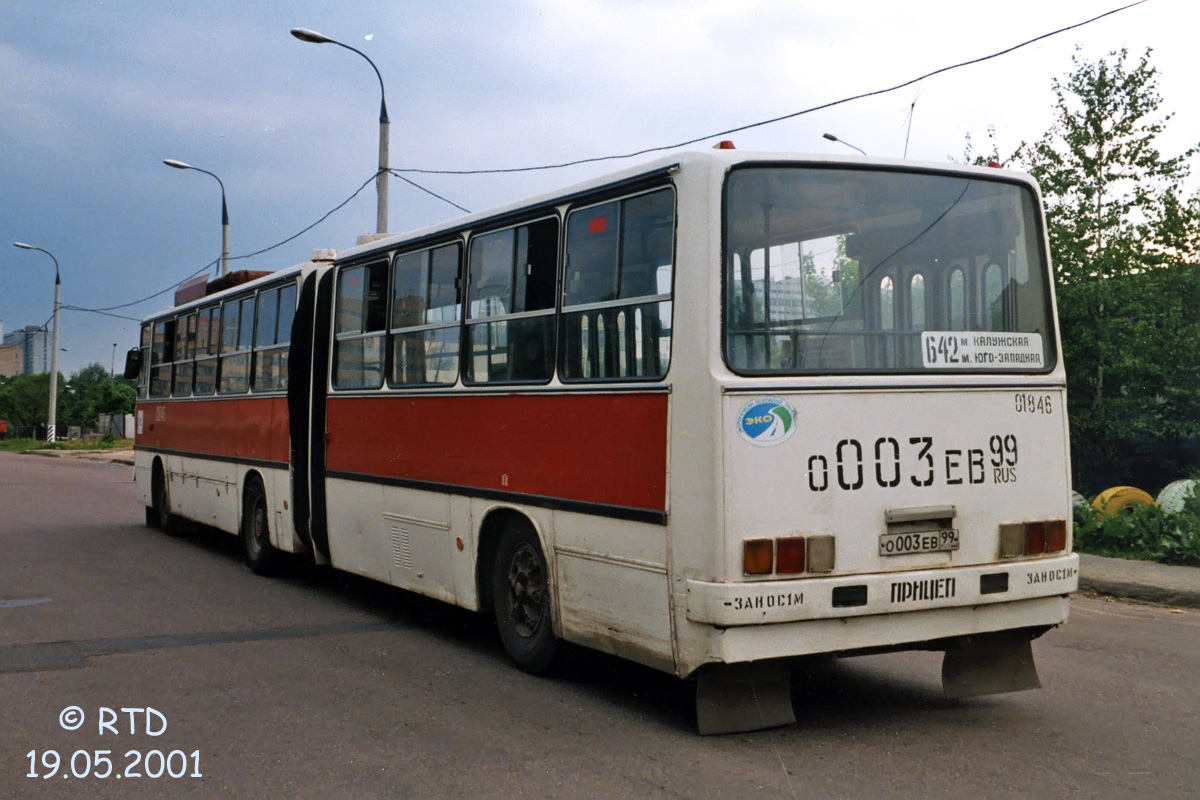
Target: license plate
x=905, y=544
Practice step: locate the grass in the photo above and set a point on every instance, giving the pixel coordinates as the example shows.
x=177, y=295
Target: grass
x=25, y=445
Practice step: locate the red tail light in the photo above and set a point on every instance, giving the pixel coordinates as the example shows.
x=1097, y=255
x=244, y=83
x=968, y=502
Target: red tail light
x=789, y=555
x=1035, y=538
x=1056, y=535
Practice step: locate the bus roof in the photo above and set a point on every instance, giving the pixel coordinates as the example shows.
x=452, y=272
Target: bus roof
x=719, y=159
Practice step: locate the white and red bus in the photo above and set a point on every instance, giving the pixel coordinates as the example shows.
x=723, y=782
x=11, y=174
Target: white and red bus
x=709, y=414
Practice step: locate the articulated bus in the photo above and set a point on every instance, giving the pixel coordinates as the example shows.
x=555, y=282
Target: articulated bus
x=711, y=414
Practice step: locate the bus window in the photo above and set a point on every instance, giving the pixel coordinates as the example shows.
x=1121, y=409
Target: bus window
x=807, y=250
x=144, y=372
x=425, y=311
x=272, y=333
x=208, y=334
x=238, y=320
x=617, y=289
x=264, y=325
x=361, y=318
x=185, y=352
x=162, y=354
x=510, y=324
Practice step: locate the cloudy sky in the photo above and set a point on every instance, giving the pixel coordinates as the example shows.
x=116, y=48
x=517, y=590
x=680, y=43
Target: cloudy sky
x=94, y=95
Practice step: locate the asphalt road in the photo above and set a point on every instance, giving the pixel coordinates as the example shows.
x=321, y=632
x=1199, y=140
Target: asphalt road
x=323, y=686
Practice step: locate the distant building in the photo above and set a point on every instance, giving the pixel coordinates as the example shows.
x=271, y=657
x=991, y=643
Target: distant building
x=34, y=345
x=11, y=359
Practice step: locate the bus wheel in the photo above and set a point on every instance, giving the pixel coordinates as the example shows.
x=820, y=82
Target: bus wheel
x=261, y=556
x=521, y=599
x=158, y=515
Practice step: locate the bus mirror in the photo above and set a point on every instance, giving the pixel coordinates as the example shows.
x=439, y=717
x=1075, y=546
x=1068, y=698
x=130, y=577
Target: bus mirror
x=133, y=364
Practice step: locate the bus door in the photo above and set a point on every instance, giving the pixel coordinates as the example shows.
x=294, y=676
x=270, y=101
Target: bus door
x=308, y=368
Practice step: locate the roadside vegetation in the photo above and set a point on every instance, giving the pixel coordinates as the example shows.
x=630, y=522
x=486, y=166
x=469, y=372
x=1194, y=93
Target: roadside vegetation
x=88, y=394
x=26, y=445
x=1142, y=532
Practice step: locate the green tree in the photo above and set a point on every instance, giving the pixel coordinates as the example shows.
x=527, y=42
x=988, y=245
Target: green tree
x=24, y=401
x=1124, y=240
x=91, y=392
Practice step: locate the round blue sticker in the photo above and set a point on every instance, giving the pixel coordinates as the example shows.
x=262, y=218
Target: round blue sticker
x=767, y=421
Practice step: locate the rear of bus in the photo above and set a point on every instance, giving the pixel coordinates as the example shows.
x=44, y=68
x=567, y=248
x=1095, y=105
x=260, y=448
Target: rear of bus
x=894, y=437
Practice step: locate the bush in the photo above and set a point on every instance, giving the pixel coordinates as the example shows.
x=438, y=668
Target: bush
x=1145, y=532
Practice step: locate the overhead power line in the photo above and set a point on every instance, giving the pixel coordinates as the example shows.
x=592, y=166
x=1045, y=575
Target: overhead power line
x=773, y=120
x=597, y=159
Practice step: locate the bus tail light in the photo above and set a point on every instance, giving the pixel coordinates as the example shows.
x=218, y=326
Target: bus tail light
x=1056, y=535
x=1035, y=538
x=820, y=553
x=758, y=556
x=1012, y=540
x=789, y=555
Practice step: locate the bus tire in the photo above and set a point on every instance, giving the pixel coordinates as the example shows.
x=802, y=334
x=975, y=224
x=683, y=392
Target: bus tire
x=261, y=555
x=521, y=599
x=158, y=514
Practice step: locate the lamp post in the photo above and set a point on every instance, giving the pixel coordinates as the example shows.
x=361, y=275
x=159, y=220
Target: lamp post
x=381, y=178
x=112, y=364
x=52, y=414
x=170, y=162
x=833, y=138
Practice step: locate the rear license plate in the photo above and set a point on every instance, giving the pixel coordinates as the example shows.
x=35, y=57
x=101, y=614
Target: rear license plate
x=905, y=544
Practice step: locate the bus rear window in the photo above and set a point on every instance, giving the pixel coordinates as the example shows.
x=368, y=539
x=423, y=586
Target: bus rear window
x=861, y=271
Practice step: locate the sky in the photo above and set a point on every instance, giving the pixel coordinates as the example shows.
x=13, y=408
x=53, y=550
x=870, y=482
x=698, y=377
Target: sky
x=94, y=95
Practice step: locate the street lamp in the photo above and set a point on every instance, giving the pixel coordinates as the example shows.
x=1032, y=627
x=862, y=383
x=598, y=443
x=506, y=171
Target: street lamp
x=381, y=178
x=52, y=414
x=170, y=162
x=833, y=138
x=112, y=364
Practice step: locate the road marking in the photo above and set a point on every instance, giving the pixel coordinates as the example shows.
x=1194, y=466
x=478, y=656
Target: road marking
x=31, y=601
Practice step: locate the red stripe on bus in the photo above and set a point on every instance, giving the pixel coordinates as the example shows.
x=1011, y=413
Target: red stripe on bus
x=609, y=449
x=253, y=428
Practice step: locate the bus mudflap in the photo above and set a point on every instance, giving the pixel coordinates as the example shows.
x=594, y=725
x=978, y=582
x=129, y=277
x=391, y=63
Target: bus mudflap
x=991, y=663
x=731, y=698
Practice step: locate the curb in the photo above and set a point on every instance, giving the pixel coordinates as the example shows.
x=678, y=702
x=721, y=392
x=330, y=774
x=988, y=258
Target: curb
x=1144, y=581
x=1141, y=592
x=102, y=456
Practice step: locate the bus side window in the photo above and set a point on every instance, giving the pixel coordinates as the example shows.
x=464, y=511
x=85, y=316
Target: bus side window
x=426, y=306
x=208, y=333
x=361, y=318
x=162, y=354
x=144, y=373
x=237, y=321
x=510, y=325
x=185, y=352
x=617, y=289
x=273, y=332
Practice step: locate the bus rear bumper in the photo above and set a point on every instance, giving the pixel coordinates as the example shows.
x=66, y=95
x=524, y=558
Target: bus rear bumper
x=897, y=610
x=909, y=631
x=730, y=605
